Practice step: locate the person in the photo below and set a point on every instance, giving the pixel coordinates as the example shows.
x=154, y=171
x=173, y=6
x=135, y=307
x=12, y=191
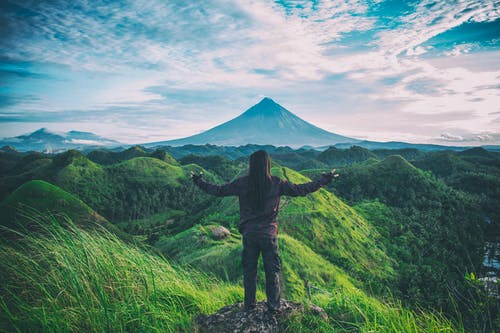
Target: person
x=259, y=197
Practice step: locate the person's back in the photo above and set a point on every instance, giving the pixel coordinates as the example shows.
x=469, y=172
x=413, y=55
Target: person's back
x=259, y=197
x=260, y=222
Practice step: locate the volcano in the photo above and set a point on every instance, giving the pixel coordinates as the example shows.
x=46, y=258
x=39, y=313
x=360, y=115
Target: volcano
x=265, y=123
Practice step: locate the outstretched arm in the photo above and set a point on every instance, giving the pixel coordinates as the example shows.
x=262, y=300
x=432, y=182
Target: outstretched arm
x=295, y=190
x=217, y=190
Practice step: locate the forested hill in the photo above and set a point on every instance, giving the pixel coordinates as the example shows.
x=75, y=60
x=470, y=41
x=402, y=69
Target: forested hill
x=420, y=228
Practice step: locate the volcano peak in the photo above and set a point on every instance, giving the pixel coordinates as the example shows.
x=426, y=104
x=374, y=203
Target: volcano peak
x=266, y=122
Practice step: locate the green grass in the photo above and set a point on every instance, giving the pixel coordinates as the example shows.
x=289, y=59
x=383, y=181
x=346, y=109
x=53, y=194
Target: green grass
x=71, y=279
x=90, y=281
x=148, y=169
x=39, y=198
x=46, y=198
x=350, y=311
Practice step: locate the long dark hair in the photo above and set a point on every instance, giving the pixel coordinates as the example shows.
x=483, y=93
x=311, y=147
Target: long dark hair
x=259, y=179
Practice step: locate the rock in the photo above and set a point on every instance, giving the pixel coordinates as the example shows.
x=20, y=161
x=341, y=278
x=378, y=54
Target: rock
x=316, y=310
x=234, y=319
x=220, y=233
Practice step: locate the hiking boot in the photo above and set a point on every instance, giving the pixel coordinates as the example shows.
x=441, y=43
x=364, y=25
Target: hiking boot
x=248, y=308
x=273, y=311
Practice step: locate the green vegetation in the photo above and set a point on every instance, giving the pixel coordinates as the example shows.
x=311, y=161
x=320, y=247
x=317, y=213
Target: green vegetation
x=76, y=280
x=39, y=198
x=90, y=281
x=133, y=189
x=220, y=165
x=386, y=240
x=223, y=259
x=106, y=157
x=339, y=157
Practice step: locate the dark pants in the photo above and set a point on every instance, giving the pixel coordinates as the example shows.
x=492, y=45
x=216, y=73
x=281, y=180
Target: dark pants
x=252, y=247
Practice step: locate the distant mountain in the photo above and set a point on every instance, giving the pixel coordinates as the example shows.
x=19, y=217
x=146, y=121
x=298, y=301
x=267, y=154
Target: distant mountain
x=264, y=123
x=405, y=145
x=44, y=140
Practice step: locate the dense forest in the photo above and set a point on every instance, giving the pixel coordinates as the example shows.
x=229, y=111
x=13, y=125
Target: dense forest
x=419, y=228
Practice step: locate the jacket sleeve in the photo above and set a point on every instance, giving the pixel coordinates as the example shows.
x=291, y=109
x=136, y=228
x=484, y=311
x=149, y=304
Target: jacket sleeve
x=224, y=190
x=295, y=190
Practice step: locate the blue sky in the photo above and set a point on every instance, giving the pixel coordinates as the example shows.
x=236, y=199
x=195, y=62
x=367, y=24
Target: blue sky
x=142, y=71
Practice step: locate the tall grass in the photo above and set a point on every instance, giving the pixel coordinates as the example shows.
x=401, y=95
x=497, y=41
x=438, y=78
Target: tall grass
x=351, y=311
x=65, y=279
x=68, y=279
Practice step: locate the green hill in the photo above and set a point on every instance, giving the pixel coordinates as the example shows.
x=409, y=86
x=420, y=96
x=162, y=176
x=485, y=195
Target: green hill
x=18, y=168
x=39, y=198
x=434, y=232
x=225, y=168
x=132, y=189
x=338, y=157
x=223, y=259
x=108, y=157
x=393, y=180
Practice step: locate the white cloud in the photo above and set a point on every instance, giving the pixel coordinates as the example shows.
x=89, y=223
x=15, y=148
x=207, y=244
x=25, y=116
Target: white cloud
x=431, y=18
x=418, y=50
x=451, y=137
x=461, y=49
x=263, y=46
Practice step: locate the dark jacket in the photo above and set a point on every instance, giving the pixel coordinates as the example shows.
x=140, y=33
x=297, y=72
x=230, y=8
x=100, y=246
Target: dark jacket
x=261, y=223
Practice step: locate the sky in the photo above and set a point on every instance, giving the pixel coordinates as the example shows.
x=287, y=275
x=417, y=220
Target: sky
x=143, y=71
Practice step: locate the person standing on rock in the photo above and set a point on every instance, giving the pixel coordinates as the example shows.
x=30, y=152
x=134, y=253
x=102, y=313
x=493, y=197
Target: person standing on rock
x=259, y=196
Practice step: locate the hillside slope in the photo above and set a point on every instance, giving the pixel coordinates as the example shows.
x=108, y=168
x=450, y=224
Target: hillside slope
x=76, y=280
x=39, y=198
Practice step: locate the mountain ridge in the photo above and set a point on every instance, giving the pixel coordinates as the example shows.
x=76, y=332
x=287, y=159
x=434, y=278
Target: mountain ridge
x=48, y=141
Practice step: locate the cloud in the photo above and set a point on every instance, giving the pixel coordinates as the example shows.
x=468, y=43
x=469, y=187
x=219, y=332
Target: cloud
x=430, y=18
x=451, y=137
x=483, y=138
x=461, y=49
x=207, y=61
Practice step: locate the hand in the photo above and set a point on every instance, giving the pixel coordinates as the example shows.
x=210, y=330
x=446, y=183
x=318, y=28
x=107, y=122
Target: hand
x=195, y=176
x=328, y=177
x=334, y=175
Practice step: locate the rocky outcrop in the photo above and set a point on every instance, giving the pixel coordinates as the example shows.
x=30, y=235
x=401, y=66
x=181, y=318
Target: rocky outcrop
x=220, y=233
x=234, y=319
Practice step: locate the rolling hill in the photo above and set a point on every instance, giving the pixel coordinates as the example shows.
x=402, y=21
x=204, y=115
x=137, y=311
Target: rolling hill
x=37, y=198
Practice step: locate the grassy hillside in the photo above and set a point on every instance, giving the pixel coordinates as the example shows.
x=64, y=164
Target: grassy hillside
x=45, y=198
x=40, y=198
x=223, y=167
x=338, y=157
x=107, y=157
x=129, y=190
x=223, y=259
x=18, y=168
x=434, y=232
x=90, y=281
x=76, y=280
